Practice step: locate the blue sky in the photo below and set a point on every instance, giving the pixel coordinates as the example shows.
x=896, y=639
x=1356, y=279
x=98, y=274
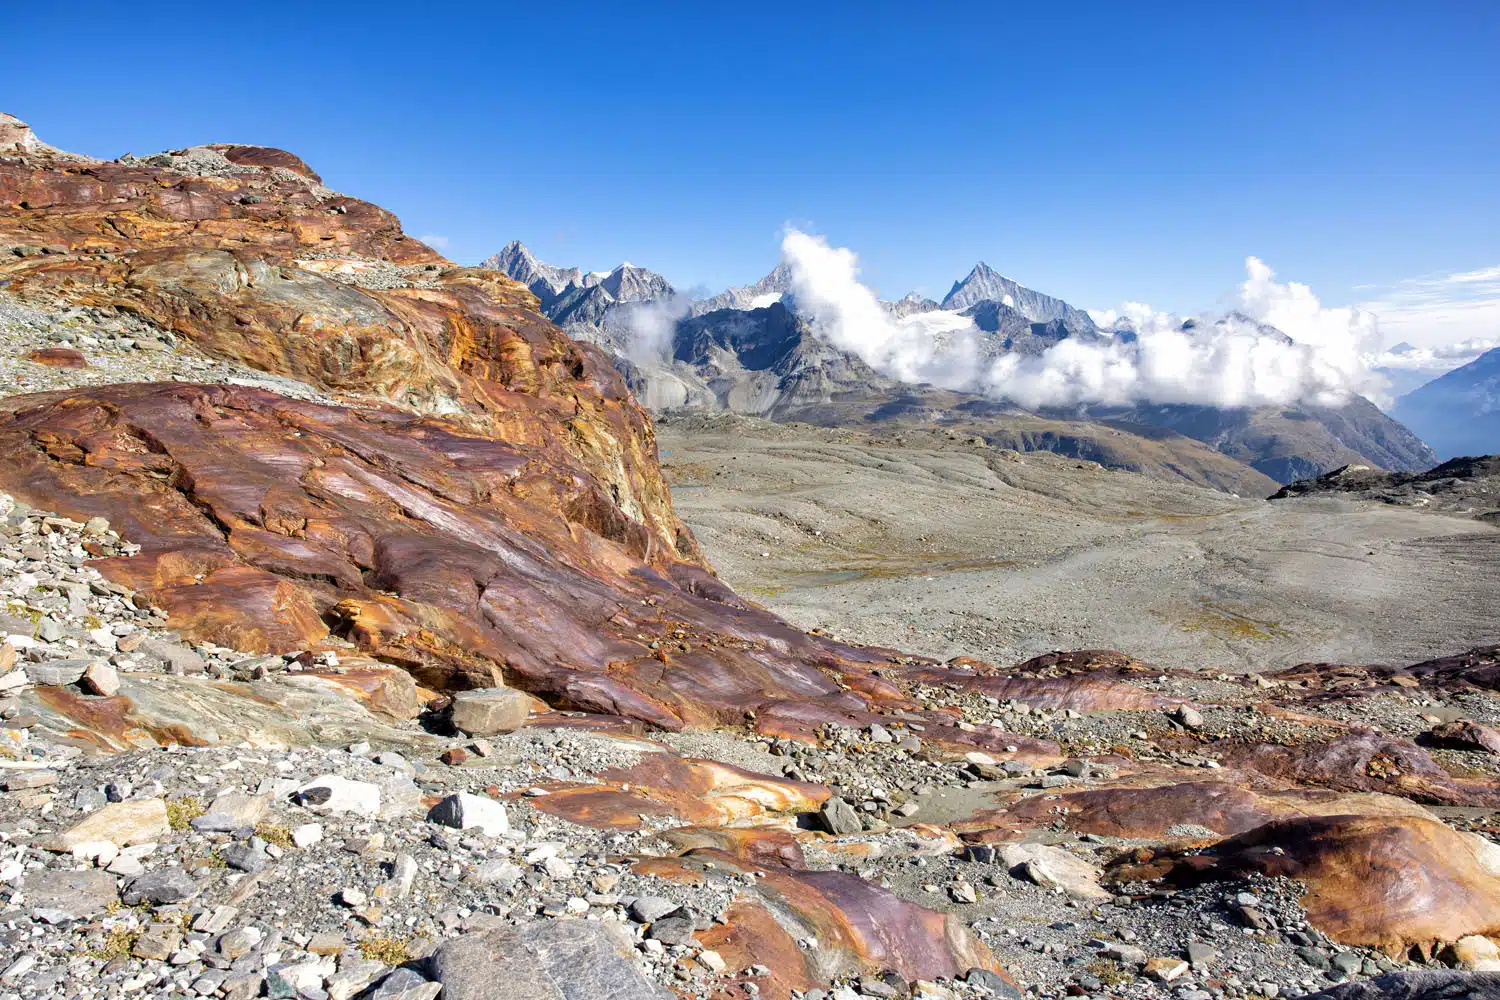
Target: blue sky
x=1101, y=152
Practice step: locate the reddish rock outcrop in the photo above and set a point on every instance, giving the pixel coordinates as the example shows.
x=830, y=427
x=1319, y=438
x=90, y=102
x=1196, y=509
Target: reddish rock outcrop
x=1383, y=882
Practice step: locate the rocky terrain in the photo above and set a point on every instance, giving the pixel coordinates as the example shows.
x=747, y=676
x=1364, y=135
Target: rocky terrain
x=352, y=647
x=947, y=546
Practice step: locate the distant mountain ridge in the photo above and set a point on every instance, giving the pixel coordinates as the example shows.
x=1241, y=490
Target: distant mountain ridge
x=1457, y=413
x=746, y=350
x=569, y=295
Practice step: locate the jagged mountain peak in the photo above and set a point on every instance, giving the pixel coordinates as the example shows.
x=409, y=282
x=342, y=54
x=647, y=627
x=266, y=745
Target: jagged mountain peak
x=984, y=284
x=625, y=283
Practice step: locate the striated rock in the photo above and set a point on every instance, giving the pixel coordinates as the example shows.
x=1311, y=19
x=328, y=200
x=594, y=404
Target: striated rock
x=703, y=792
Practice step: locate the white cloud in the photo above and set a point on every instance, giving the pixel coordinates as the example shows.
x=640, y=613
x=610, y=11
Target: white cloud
x=435, y=240
x=1435, y=359
x=1441, y=309
x=1228, y=361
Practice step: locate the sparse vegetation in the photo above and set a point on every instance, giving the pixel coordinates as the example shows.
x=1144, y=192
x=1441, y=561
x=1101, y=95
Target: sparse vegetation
x=384, y=948
x=181, y=812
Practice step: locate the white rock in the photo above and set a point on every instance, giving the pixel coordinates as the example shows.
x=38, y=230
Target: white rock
x=307, y=834
x=330, y=795
x=470, y=812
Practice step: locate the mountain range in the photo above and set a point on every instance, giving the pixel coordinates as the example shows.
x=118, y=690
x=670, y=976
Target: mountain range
x=746, y=350
x=1458, y=413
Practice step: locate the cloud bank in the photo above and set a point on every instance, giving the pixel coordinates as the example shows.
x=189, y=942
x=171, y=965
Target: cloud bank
x=1441, y=309
x=1232, y=360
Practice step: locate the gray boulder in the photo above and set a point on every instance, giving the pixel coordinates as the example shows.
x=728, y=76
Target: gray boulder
x=542, y=960
x=490, y=711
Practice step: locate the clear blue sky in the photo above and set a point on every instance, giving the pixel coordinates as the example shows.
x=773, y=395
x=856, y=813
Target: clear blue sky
x=1096, y=151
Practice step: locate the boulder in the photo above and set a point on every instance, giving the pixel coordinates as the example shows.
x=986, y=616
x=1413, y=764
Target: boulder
x=59, y=673
x=70, y=895
x=542, y=960
x=463, y=811
x=332, y=795
x=100, y=678
x=143, y=821
x=1051, y=866
x=490, y=711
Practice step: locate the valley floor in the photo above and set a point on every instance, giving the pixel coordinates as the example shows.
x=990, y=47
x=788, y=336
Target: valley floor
x=947, y=549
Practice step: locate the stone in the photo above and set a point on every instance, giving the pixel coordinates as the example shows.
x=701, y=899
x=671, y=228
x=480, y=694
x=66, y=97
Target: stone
x=542, y=960
x=839, y=818
x=244, y=857
x=241, y=809
x=1200, y=955
x=178, y=658
x=354, y=974
x=490, y=711
x=463, y=811
x=19, y=781
x=306, y=835
x=404, y=984
x=1190, y=717
x=1051, y=866
x=162, y=886
x=141, y=821
x=58, y=673
x=1126, y=954
x=1164, y=969
x=1348, y=962
x=332, y=795
x=1465, y=735
x=713, y=961
x=71, y=895
x=1474, y=953
x=158, y=942
x=671, y=930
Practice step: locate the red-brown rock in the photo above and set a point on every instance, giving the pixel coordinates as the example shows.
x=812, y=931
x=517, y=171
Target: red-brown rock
x=1381, y=882
x=58, y=357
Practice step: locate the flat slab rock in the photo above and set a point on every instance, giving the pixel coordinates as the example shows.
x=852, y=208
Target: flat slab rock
x=71, y=895
x=1417, y=986
x=543, y=960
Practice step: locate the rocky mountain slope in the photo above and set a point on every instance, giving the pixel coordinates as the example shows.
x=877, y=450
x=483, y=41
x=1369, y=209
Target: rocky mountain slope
x=389, y=671
x=746, y=351
x=1458, y=413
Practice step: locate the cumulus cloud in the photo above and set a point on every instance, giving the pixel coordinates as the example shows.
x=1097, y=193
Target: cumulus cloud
x=1433, y=359
x=1441, y=309
x=1319, y=355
